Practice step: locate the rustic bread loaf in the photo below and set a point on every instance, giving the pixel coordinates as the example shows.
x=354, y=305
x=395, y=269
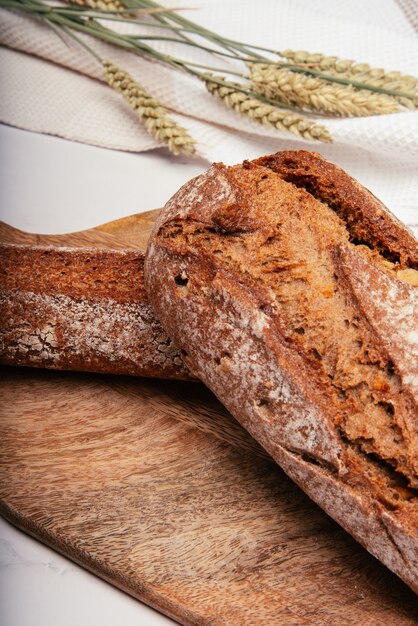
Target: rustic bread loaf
x=288, y=288
x=81, y=309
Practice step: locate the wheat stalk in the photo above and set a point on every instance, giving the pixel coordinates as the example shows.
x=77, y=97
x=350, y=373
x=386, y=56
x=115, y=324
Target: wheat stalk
x=300, y=80
x=149, y=110
x=263, y=113
x=311, y=92
x=117, y=6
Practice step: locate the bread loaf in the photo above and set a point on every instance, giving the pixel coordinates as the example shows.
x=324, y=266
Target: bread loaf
x=289, y=290
x=81, y=309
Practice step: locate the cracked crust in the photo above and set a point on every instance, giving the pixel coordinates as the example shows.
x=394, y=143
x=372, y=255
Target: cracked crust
x=219, y=279
x=86, y=310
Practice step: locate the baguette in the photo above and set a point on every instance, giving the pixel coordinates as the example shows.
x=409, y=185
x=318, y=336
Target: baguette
x=81, y=309
x=289, y=289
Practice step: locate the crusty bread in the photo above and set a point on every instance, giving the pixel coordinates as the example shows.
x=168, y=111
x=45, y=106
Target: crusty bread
x=81, y=309
x=288, y=287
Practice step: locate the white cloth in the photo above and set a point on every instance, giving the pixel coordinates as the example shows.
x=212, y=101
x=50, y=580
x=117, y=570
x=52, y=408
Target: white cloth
x=52, y=92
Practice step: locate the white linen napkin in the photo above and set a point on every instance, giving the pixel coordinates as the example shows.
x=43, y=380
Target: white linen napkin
x=46, y=87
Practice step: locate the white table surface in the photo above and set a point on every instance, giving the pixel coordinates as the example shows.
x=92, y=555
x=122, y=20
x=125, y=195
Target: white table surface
x=49, y=185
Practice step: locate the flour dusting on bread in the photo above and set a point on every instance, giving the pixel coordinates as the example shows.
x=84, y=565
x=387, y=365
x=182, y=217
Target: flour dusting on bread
x=256, y=284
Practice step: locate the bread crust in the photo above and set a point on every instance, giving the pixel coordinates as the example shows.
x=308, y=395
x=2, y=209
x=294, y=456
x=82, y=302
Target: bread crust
x=233, y=336
x=369, y=219
x=81, y=309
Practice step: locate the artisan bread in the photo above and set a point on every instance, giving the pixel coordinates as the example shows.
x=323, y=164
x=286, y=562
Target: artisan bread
x=289, y=290
x=81, y=309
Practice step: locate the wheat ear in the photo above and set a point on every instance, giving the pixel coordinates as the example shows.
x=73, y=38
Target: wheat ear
x=264, y=113
x=313, y=93
x=149, y=110
x=101, y=5
x=360, y=72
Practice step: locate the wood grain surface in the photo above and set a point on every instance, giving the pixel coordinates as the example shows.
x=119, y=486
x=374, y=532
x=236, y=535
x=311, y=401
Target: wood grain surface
x=154, y=487
x=129, y=232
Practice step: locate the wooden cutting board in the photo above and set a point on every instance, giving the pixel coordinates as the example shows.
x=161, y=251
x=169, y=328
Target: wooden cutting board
x=155, y=488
